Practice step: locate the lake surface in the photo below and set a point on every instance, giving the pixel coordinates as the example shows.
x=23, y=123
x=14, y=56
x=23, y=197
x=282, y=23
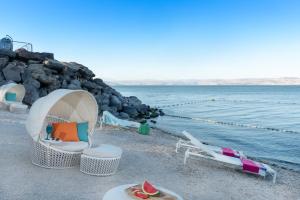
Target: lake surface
x=262, y=121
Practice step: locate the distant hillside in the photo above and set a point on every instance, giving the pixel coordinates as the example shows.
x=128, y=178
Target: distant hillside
x=246, y=81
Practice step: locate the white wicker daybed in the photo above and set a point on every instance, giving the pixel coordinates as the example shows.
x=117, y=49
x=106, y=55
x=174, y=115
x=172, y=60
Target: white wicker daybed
x=13, y=106
x=60, y=106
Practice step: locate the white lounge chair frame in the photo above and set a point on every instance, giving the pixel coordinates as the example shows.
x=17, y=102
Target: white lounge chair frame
x=198, y=149
x=13, y=88
x=186, y=144
x=59, y=106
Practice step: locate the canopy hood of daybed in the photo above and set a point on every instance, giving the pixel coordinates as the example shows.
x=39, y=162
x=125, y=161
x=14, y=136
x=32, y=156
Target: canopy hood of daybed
x=14, y=88
x=72, y=105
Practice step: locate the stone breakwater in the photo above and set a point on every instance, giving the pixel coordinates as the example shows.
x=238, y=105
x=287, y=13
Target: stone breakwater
x=40, y=73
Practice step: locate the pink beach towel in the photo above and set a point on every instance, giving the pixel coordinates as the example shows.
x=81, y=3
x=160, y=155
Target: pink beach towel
x=250, y=166
x=229, y=152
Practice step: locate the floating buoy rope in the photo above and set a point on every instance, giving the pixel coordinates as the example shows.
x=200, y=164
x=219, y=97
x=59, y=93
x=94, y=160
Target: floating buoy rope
x=225, y=100
x=216, y=122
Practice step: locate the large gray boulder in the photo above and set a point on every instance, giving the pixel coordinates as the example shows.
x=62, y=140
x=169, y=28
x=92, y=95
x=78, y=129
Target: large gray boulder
x=43, y=92
x=112, y=110
x=3, y=61
x=54, y=64
x=99, y=82
x=34, y=62
x=143, y=109
x=105, y=108
x=64, y=84
x=72, y=66
x=27, y=55
x=90, y=85
x=80, y=70
x=54, y=85
x=32, y=82
x=86, y=72
x=31, y=95
x=28, y=79
x=115, y=102
x=134, y=101
x=98, y=98
x=104, y=99
x=47, y=80
x=37, y=72
x=124, y=115
x=74, y=85
x=76, y=82
x=13, y=71
x=2, y=79
x=131, y=111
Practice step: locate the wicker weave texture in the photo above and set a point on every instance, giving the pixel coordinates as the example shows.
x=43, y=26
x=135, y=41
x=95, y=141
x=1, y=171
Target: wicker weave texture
x=47, y=157
x=99, y=166
x=44, y=155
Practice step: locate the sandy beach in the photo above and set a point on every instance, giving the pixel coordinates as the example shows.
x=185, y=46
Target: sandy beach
x=144, y=157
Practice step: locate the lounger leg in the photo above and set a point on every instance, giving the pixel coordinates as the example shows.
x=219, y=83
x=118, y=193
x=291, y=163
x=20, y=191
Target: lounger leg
x=186, y=155
x=101, y=124
x=177, y=147
x=274, y=178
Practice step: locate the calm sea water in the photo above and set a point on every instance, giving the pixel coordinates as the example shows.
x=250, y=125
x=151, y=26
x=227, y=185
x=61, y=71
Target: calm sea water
x=262, y=121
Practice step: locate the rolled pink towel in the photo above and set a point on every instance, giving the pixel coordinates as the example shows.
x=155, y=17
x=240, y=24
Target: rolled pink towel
x=230, y=152
x=251, y=166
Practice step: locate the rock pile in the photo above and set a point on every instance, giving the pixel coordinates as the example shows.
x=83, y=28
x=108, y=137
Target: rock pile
x=40, y=73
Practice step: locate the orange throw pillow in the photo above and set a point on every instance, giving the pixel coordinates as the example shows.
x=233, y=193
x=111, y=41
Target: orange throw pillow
x=66, y=131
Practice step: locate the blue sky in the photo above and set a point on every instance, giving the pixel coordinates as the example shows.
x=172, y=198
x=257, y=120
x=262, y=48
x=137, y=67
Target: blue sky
x=167, y=40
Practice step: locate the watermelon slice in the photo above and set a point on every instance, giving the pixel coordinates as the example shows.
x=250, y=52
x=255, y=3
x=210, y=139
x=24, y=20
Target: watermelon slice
x=149, y=189
x=134, y=190
x=141, y=195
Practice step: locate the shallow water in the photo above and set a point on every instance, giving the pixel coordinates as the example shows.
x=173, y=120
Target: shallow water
x=262, y=121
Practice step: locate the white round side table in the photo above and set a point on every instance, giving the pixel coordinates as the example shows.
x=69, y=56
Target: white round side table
x=119, y=193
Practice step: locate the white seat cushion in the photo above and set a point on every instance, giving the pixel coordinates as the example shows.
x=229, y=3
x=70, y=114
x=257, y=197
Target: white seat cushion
x=104, y=151
x=17, y=107
x=71, y=146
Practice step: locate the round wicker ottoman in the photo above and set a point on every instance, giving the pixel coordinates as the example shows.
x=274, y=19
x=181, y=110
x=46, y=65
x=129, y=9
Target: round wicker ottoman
x=100, y=161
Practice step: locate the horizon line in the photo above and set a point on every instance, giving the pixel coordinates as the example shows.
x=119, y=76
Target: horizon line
x=216, y=82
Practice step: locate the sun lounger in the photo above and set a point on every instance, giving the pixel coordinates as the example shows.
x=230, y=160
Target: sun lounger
x=198, y=149
x=190, y=143
x=109, y=119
